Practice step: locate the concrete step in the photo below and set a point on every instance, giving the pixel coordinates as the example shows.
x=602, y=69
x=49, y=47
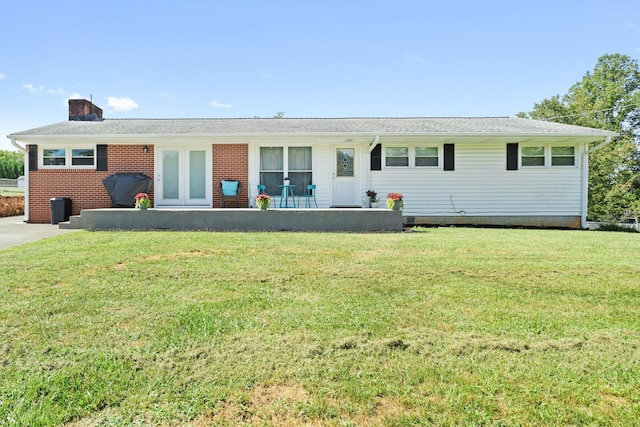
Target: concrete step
x=74, y=223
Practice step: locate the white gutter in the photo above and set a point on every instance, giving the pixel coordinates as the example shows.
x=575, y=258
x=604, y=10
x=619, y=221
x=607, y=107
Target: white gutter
x=15, y=144
x=599, y=146
x=585, y=180
x=26, y=177
x=376, y=140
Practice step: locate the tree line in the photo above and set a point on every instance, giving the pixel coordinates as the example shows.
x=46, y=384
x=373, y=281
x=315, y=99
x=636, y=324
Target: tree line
x=607, y=98
x=11, y=164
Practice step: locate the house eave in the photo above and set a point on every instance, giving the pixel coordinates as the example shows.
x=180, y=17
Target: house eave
x=220, y=138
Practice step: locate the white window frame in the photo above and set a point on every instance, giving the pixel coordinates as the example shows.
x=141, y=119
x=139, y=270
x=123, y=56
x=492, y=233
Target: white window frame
x=551, y=156
x=412, y=156
x=408, y=147
x=68, y=156
x=548, y=156
x=285, y=162
x=437, y=157
x=544, y=156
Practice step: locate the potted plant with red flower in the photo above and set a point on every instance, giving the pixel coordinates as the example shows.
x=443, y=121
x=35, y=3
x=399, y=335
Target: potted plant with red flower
x=394, y=201
x=262, y=201
x=143, y=202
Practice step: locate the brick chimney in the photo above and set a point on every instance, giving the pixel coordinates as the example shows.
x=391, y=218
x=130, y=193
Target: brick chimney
x=83, y=110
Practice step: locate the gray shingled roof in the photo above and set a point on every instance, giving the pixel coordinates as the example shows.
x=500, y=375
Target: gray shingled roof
x=369, y=126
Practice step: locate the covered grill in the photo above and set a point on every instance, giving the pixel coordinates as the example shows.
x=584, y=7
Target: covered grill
x=123, y=187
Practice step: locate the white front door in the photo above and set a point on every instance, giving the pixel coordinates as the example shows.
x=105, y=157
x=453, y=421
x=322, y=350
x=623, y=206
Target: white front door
x=183, y=176
x=345, y=181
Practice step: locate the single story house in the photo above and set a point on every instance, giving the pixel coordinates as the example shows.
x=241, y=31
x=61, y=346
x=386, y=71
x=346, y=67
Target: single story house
x=485, y=170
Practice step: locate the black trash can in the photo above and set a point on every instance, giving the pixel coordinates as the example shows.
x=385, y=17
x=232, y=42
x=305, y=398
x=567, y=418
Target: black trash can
x=60, y=209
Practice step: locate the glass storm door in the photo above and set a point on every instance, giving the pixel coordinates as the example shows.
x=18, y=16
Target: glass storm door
x=345, y=182
x=183, y=177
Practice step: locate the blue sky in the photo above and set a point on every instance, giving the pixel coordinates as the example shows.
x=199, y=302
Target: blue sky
x=308, y=58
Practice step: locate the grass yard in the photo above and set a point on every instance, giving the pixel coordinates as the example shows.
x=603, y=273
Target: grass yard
x=11, y=191
x=447, y=326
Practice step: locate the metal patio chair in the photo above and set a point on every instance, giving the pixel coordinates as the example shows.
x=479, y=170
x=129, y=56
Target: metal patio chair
x=310, y=194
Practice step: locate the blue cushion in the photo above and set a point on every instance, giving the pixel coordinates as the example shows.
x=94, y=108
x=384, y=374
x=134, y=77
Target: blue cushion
x=229, y=188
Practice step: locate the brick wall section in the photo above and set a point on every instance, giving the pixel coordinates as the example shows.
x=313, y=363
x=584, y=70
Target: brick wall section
x=84, y=186
x=230, y=161
x=82, y=107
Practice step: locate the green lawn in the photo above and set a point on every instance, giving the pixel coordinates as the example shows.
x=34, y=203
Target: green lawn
x=11, y=191
x=447, y=326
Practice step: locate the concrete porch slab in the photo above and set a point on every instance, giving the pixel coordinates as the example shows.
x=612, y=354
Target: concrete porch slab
x=340, y=219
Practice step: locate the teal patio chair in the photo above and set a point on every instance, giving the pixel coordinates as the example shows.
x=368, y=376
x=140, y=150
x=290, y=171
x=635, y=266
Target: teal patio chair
x=310, y=194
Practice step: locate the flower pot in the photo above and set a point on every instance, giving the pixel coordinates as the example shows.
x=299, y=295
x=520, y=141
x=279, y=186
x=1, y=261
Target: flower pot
x=142, y=208
x=374, y=204
x=395, y=205
x=263, y=206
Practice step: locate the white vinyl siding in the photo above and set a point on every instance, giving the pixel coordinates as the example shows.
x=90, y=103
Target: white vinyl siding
x=481, y=186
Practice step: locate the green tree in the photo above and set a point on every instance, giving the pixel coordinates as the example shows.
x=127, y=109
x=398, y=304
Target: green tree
x=11, y=164
x=608, y=98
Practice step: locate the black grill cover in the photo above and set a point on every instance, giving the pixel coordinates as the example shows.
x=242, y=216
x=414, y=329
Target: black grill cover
x=123, y=187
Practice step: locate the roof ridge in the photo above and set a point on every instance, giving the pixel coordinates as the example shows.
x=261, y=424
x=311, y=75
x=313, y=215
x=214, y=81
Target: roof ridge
x=313, y=118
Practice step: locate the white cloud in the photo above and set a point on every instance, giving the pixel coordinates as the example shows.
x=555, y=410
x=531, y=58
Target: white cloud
x=76, y=95
x=2, y=77
x=33, y=89
x=122, y=104
x=216, y=104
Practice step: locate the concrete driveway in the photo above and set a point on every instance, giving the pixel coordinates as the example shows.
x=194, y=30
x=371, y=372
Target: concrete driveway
x=14, y=232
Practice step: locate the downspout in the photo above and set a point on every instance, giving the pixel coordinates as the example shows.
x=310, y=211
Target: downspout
x=376, y=140
x=585, y=180
x=26, y=177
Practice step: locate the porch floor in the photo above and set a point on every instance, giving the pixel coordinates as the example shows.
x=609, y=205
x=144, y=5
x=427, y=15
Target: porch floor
x=318, y=219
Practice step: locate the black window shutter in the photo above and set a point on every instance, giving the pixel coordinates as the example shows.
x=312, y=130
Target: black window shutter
x=101, y=158
x=512, y=156
x=449, y=157
x=376, y=158
x=33, y=157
